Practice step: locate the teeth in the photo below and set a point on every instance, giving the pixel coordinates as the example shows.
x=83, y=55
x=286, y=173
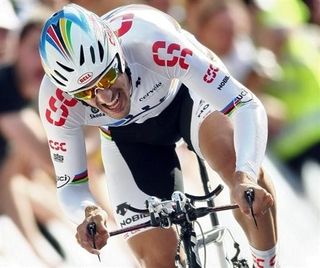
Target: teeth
x=115, y=100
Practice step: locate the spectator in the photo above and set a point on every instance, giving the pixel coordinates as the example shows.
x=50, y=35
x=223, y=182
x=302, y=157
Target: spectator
x=25, y=167
x=25, y=7
x=225, y=28
x=314, y=9
x=171, y=7
x=99, y=7
x=192, y=9
x=296, y=138
x=8, y=22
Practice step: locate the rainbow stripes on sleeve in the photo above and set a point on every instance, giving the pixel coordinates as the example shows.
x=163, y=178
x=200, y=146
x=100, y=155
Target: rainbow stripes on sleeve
x=237, y=102
x=80, y=178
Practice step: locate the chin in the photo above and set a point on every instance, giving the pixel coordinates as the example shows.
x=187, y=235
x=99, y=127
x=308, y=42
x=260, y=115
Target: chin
x=119, y=115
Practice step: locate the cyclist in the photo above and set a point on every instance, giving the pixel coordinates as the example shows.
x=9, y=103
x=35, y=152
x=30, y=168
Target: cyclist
x=146, y=83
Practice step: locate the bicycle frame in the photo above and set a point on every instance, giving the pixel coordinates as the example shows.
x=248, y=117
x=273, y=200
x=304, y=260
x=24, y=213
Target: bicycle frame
x=217, y=235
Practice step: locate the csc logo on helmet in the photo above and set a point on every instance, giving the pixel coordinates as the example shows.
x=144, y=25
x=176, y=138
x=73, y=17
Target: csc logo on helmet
x=85, y=77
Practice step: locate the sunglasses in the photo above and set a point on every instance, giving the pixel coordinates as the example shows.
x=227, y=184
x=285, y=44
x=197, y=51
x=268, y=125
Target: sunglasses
x=108, y=78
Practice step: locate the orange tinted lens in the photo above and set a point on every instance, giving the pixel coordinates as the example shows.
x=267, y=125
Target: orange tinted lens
x=85, y=95
x=108, y=79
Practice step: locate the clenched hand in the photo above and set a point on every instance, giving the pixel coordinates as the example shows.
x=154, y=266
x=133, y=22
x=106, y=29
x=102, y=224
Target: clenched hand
x=99, y=217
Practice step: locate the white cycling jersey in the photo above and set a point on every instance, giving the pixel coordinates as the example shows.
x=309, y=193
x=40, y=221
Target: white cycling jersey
x=160, y=56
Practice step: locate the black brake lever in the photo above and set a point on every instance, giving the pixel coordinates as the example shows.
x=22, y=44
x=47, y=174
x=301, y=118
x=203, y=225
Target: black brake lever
x=249, y=196
x=92, y=230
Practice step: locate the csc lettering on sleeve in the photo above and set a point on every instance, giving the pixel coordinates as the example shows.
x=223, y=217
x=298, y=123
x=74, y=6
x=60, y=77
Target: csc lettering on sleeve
x=175, y=54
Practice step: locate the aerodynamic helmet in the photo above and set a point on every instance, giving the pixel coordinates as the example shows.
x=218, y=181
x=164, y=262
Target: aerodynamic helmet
x=76, y=47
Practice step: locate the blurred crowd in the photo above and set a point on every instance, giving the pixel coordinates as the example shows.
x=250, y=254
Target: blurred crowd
x=271, y=46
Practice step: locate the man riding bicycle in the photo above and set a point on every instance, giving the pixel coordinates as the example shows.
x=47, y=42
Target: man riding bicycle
x=146, y=83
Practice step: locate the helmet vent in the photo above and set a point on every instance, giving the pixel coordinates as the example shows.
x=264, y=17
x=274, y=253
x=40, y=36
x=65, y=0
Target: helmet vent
x=81, y=56
x=59, y=82
x=92, y=54
x=101, y=51
x=68, y=69
x=64, y=78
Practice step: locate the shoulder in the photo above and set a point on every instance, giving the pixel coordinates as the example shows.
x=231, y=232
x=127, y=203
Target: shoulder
x=57, y=108
x=7, y=76
x=144, y=32
x=131, y=15
x=4, y=71
x=11, y=100
x=140, y=24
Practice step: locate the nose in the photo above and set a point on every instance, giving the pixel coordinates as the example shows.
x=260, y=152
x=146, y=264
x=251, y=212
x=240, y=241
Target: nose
x=104, y=94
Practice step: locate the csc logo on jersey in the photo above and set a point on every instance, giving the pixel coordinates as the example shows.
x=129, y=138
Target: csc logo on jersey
x=58, y=146
x=172, y=50
x=58, y=109
x=211, y=74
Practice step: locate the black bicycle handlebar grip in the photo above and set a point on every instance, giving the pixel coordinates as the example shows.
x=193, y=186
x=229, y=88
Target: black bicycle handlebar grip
x=92, y=228
x=249, y=195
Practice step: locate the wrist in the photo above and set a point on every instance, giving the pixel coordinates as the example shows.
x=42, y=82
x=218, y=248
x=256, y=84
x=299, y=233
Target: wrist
x=242, y=177
x=92, y=210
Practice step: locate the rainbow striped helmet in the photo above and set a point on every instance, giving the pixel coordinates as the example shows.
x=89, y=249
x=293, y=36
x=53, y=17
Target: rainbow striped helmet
x=76, y=47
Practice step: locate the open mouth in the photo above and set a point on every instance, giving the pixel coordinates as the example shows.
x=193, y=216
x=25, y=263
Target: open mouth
x=114, y=104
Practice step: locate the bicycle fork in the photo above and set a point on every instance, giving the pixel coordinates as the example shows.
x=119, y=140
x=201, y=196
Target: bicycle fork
x=215, y=237
x=190, y=243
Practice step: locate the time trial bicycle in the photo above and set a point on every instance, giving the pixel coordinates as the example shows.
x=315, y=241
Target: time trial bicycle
x=182, y=212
